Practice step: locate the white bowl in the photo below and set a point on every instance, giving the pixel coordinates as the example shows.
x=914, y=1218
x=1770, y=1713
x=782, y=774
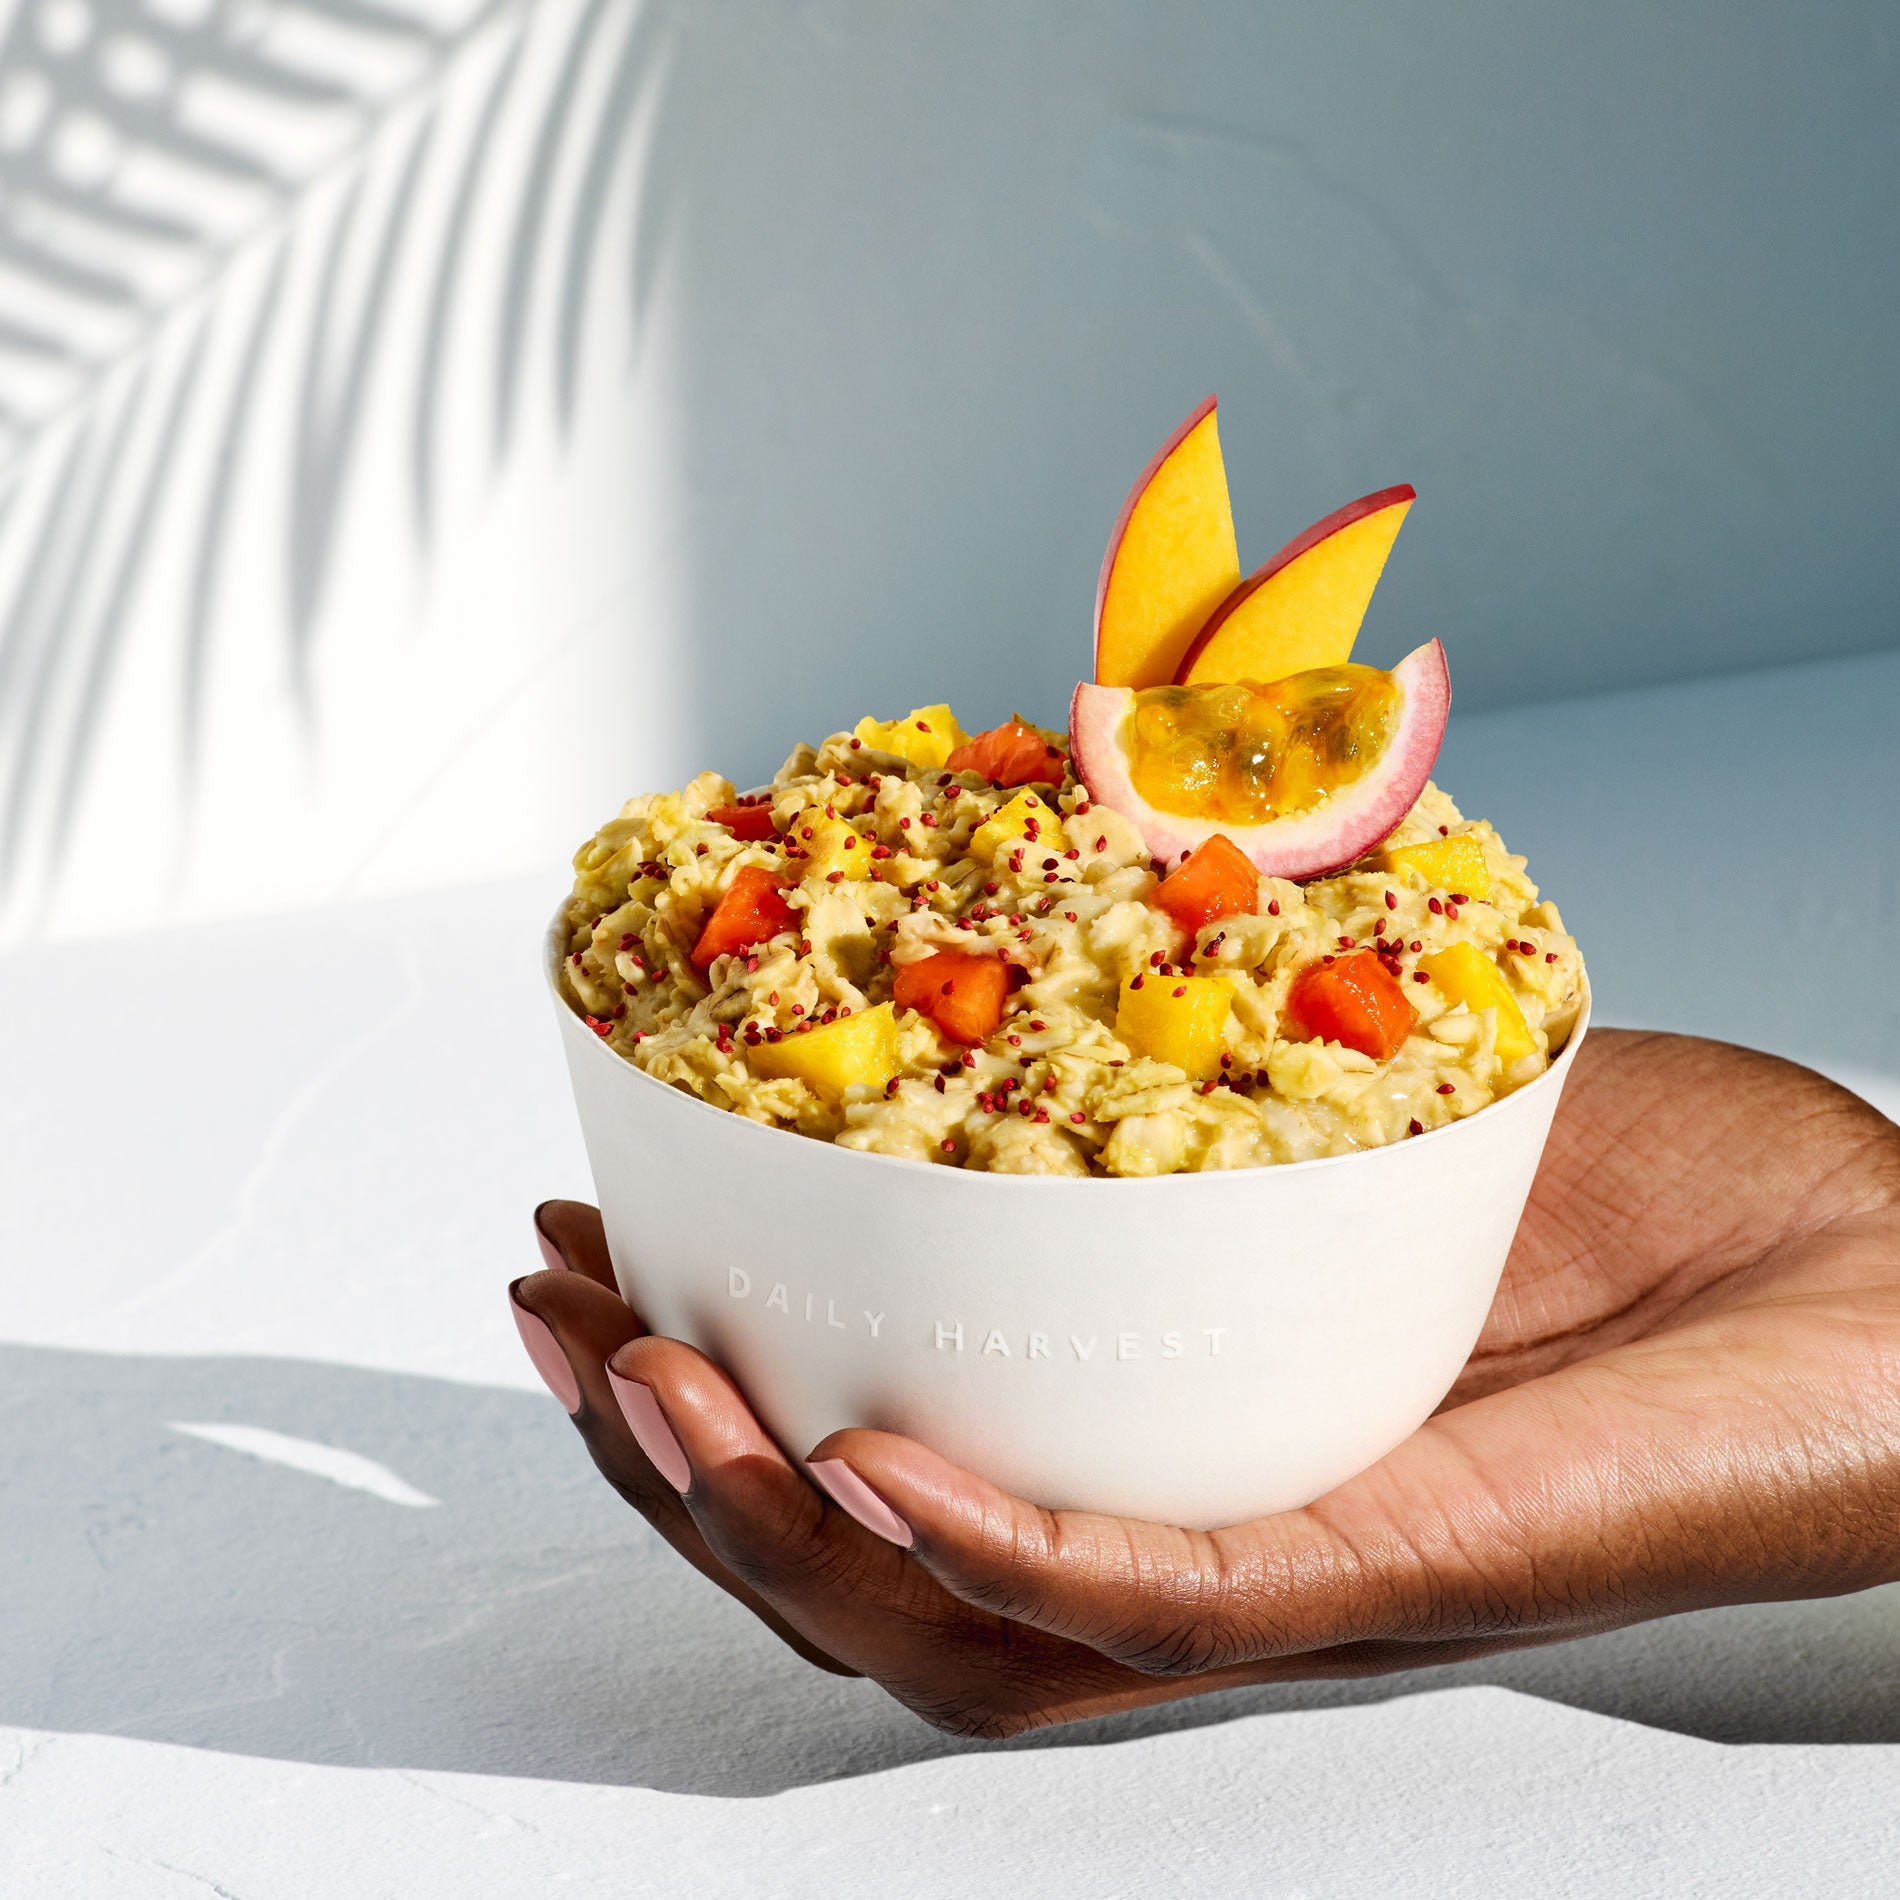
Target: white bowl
x=1196, y=1348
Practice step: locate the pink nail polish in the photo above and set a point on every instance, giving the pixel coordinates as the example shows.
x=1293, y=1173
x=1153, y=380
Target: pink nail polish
x=545, y=1350
x=852, y=1495
x=549, y=1251
x=654, y=1435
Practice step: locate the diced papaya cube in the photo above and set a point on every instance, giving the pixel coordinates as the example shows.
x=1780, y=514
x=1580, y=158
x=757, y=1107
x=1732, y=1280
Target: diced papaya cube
x=1178, y=1019
x=1217, y=880
x=1004, y=828
x=1351, y=1000
x=833, y=845
x=854, y=1051
x=1462, y=972
x=1445, y=864
x=751, y=911
x=1010, y=754
x=963, y=994
x=753, y=823
x=925, y=736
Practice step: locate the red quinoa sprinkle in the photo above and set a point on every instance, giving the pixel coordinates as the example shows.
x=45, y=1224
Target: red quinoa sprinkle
x=1346, y=943
x=1550, y=956
x=1448, y=1088
x=1070, y=915
x=1273, y=907
x=923, y=725
x=1458, y=897
x=1135, y=982
x=1101, y=843
x=1077, y=1116
x=1444, y=831
x=1182, y=990
x=940, y=1085
x=857, y=745
x=1434, y=906
x=1415, y=1128
x=1207, y=1088
x=948, y=1146
x=1391, y=900
x=1419, y=976
x=1042, y=1115
x=1015, y=1042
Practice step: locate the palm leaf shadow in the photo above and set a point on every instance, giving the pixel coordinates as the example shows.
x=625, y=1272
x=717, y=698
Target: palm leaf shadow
x=134, y=398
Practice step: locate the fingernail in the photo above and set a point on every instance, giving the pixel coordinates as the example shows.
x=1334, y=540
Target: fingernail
x=648, y=1424
x=549, y=1251
x=545, y=1350
x=851, y=1494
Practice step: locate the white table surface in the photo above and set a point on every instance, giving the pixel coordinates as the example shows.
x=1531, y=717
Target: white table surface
x=307, y=1588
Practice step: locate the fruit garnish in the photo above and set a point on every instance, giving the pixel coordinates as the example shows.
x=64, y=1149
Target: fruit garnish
x=1445, y=864
x=925, y=736
x=1023, y=819
x=749, y=822
x=860, y=1051
x=1352, y=1000
x=1303, y=775
x=1216, y=880
x=1171, y=559
x=1304, y=607
x=834, y=848
x=1010, y=754
x=963, y=994
x=1463, y=972
x=1177, y=1019
x=751, y=911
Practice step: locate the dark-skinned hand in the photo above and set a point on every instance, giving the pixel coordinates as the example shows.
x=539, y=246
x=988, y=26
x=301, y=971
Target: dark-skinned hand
x=1687, y=1393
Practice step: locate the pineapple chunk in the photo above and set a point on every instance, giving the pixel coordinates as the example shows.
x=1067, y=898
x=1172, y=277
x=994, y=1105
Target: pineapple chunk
x=1007, y=826
x=855, y=1051
x=1445, y=864
x=1177, y=1019
x=926, y=735
x=834, y=845
x=1466, y=975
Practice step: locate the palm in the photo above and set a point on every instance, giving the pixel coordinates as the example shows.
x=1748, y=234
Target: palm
x=1683, y=1395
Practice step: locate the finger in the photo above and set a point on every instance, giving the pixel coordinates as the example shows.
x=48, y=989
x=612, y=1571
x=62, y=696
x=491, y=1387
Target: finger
x=572, y=1237
x=853, y=1593
x=573, y=1325
x=1410, y=1552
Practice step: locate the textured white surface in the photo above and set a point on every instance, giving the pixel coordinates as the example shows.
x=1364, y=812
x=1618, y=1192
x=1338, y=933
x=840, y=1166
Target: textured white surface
x=1472, y=1793
x=279, y=1182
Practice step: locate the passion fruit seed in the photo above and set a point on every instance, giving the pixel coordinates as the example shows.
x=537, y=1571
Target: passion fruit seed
x=1248, y=752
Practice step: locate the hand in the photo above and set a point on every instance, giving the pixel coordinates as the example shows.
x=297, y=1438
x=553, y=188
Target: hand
x=1687, y=1393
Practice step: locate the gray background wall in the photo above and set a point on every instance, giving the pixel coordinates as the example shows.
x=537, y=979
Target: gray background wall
x=514, y=403
x=1616, y=287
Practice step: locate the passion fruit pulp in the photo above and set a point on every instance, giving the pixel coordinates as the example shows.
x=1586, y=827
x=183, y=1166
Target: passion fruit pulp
x=1331, y=760
x=1247, y=752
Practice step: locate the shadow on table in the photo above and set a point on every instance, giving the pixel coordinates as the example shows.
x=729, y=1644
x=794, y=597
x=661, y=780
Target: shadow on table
x=154, y=1584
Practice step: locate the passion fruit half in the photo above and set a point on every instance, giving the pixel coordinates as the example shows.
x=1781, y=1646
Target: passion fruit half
x=1304, y=774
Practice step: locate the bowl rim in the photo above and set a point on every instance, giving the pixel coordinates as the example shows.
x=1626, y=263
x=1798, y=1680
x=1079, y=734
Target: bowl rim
x=554, y=952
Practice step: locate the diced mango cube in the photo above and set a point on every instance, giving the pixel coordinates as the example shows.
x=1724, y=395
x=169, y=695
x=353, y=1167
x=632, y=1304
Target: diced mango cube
x=833, y=845
x=926, y=735
x=1466, y=975
x=858, y=1050
x=1178, y=1019
x=1005, y=826
x=1445, y=864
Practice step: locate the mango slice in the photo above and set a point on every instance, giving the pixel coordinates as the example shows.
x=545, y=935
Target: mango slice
x=833, y=845
x=854, y=1051
x=1178, y=1019
x=1464, y=974
x=926, y=735
x=1444, y=864
x=1004, y=827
